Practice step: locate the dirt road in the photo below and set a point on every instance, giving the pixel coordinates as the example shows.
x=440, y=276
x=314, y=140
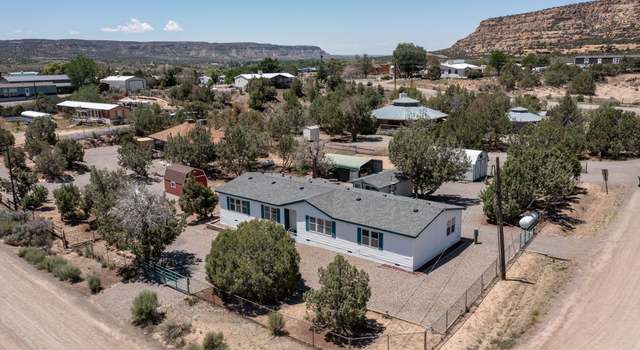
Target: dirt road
x=37, y=313
x=602, y=308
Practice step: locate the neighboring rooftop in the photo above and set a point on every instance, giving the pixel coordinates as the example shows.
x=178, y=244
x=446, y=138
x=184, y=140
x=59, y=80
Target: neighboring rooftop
x=118, y=78
x=460, y=66
x=34, y=114
x=382, y=179
x=396, y=214
x=265, y=75
x=347, y=162
x=405, y=108
x=34, y=78
x=177, y=173
x=522, y=115
x=88, y=105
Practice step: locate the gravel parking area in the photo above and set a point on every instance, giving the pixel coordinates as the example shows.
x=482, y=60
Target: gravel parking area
x=420, y=297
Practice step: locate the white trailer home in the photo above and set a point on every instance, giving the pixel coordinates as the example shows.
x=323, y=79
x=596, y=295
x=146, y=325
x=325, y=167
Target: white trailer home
x=279, y=80
x=388, y=229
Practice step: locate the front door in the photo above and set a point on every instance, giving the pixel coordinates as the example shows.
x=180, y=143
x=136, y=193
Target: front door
x=290, y=220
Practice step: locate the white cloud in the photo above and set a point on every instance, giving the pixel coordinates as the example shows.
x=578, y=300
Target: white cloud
x=134, y=26
x=74, y=32
x=172, y=26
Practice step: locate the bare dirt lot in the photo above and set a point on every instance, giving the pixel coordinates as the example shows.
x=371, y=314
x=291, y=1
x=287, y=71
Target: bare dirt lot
x=513, y=306
x=587, y=302
x=39, y=313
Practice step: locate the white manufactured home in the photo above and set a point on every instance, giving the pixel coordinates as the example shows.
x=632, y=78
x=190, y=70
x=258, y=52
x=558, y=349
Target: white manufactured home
x=388, y=229
x=279, y=80
x=456, y=69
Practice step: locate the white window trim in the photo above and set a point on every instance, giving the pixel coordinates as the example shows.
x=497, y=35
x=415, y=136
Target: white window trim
x=451, y=226
x=368, y=234
x=238, y=205
x=172, y=184
x=313, y=226
x=270, y=213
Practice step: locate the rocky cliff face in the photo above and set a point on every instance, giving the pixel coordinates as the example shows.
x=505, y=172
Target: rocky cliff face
x=566, y=28
x=153, y=51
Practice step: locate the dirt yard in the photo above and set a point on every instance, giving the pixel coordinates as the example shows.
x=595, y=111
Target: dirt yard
x=39, y=312
x=514, y=305
x=238, y=332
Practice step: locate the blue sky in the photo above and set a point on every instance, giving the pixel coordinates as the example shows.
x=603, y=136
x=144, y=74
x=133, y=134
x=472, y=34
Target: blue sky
x=339, y=27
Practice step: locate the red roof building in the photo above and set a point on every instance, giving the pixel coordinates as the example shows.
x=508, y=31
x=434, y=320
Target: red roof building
x=176, y=175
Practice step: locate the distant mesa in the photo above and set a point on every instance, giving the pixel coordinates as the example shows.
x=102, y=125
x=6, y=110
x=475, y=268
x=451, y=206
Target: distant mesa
x=157, y=51
x=582, y=27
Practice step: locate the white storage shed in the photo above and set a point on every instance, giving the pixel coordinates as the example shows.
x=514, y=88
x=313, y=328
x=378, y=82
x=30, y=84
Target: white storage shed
x=479, y=162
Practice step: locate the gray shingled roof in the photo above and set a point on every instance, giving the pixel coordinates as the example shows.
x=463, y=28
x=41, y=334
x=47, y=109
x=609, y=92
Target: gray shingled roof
x=382, y=179
x=397, y=214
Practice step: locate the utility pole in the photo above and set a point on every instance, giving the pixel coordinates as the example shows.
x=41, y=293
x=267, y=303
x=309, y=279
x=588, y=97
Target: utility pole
x=395, y=73
x=498, y=205
x=13, y=187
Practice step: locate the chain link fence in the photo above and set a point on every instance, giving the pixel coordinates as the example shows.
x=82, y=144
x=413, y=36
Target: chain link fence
x=474, y=293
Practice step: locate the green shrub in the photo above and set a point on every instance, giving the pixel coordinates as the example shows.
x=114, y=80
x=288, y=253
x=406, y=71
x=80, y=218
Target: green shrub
x=174, y=332
x=33, y=233
x=214, y=341
x=95, y=285
x=257, y=261
x=276, y=323
x=67, y=272
x=33, y=256
x=10, y=219
x=35, y=198
x=53, y=262
x=145, y=308
x=193, y=346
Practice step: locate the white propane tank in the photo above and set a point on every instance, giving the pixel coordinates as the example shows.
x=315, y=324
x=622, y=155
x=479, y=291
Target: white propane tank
x=529, y=220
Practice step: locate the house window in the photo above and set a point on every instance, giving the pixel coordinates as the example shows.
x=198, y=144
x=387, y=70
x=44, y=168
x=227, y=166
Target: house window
x=238, y=205
x=172, y=184
x=270, y=213
x=371, y=238
x=451, y=226
x=321, y=226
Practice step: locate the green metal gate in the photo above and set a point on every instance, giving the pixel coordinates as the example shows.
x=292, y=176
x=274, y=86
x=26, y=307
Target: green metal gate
x=167, y=277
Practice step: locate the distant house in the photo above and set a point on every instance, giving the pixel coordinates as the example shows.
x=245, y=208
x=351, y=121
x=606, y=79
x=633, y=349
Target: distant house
x=456, y=69
x=79, y=109
x=176, y=175
x=389, y=181
x=17, y=87
x=347, y=168
x=384, y=228
x=279, y=80
x=204, y=80
x=160, y=138
x=602, y=59
x=479, y=163
x=125, y=83
x=403, y=111
x=521, y=117
x=26, y=117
